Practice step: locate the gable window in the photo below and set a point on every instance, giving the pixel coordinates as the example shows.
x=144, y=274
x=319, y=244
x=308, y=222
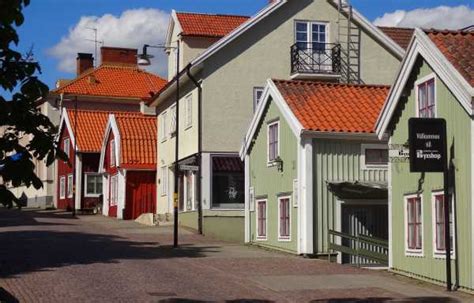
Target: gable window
x=426, y=99
x=439, y=224
x=414, y=227
x=257, y=96
x=93, y=185
x=62, y=187
x=66, y=146
x=112, y=153
x=164, y=180
x=262, y=219
x=189, y=111
x=374, y=156
x=284, y=218
x=273, y=136
x=163, y=126
x=69, y=186
x=173, y=121
x=311, y=40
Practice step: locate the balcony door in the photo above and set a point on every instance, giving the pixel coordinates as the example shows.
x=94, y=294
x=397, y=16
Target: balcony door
x=311, y=39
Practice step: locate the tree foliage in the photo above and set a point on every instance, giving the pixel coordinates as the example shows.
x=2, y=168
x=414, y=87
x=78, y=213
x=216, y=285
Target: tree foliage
x=25, y=133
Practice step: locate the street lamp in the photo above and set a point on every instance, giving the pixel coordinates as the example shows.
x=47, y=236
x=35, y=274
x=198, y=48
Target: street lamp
x=144, y=59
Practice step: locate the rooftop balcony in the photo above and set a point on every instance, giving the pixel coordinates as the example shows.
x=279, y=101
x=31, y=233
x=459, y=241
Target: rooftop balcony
x=315, y=61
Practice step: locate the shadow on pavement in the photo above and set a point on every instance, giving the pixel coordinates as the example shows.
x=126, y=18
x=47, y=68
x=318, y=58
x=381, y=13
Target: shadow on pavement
x=7, y=297
x=15, y=217
x=383, y=300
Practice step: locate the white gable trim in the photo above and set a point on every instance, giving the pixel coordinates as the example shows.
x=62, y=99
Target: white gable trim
x=66, y=123
x=111, y=127
x=271, y=91
x=421, y=45
x=174, y=22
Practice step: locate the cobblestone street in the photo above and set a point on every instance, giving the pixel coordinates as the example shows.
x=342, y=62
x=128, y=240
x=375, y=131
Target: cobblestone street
x=48, y=256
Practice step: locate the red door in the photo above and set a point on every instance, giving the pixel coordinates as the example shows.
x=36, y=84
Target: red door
x=113, y=196
x=140, y=194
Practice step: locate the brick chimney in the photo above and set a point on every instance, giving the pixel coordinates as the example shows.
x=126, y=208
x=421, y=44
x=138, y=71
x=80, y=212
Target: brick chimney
x=118, y=55
x=84, y=62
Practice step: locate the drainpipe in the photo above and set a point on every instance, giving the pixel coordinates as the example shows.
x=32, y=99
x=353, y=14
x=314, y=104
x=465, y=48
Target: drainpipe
x=199, y=190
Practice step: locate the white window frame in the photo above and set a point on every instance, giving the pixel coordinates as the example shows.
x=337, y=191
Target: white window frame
x=420, y=81
x=164, y=180
x=70, y=185
x=67, y=147
x=188, y=103
x=272, y=162
x=363, y=163
x=113, y=161
x=408, y=251
x=256, y=100
x=163, y=126
x=257, y=237
x=62, y=187
x=173, y=126
x=280, y=237
x=295, y=193
x=189, y=191
x=309, y=29
x=86, y=178
x=441, y=254
x=114, y=190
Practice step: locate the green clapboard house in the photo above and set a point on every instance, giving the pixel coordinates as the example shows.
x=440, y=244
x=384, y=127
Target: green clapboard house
x=313, y=163
x=435, y=81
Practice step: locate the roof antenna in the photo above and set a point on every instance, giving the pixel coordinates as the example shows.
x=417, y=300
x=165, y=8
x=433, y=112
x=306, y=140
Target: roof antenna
x=96, y=42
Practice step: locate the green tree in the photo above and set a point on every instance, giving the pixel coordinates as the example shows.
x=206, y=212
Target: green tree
x=20, y=119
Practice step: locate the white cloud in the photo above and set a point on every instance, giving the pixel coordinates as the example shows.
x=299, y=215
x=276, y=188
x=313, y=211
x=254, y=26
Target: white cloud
x=441, y=17
x=132, y=28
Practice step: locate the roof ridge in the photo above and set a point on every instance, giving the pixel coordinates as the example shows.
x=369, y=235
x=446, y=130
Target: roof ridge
x=325, y=83
x=213, y=14
x=396, y=27
x=447, y=31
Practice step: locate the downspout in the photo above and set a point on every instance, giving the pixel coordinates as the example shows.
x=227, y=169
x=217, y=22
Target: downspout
x=198, y=190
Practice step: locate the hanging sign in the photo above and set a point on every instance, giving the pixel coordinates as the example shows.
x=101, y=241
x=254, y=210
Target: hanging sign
x=427, y=141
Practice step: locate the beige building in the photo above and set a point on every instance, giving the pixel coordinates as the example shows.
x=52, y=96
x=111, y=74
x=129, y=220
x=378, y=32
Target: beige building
x=225, y=63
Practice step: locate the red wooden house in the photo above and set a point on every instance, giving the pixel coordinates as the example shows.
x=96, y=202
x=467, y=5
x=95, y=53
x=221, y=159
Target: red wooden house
x=128, y=163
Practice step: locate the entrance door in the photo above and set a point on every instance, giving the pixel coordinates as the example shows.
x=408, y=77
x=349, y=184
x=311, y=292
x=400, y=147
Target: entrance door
x=367, y=220
x=311, y=39
x=140, y=194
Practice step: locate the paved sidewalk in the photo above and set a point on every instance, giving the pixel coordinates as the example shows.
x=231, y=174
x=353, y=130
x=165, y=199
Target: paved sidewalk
x=48, y=256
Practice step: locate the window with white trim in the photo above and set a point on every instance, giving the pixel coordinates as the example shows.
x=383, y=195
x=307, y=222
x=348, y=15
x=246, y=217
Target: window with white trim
x=173, y=121
x=273, y=137
x=62, y=187
x=189, y=191
x=284, y=218
x=113, y=190
x=414, y=225
x=257, y=96
x=262, y=219
x=189, y=111
x=374, y=156
x=93, y=185
x=164, y=180
x=426, y=99
x=67, y=146
x=112, y=153
x=69, y=185
x=163, y=126
x=439, y=224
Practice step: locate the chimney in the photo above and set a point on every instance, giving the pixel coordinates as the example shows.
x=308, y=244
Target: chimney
x=84, y=62
x=118, y=55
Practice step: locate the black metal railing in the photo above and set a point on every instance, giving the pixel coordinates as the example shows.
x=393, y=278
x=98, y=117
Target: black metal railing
x=316, y=58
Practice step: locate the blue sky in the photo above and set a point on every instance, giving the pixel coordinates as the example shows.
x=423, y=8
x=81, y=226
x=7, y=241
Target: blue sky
x=47, y=21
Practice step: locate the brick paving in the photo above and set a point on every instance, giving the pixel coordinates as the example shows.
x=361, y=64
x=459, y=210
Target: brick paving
x=48, y=256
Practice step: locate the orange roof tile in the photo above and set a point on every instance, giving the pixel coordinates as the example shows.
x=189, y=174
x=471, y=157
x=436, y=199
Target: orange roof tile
x=333, y=107
x=114, y=81
x=138, y=140
x=458, y=48
x=401, y=35
x=90, y=128
x=207, y=25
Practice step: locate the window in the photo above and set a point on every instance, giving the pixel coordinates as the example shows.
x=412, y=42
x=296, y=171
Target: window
x=66, y=146
x=112, y=152
x=173, y=121
x=189, y=190
x=414, y=224
x=93, y=185
x=113, y=190
x=374, y=156
x=284, y=218
x=69, y=185
x=163, y=126
x=257, y=96
x=426, y=104
x=189, y=111
x=438, y=216
x=311, y=38
x=62, y=187
x=273, y=141
x=164, y=180
x=262, y=219
x=228, y=186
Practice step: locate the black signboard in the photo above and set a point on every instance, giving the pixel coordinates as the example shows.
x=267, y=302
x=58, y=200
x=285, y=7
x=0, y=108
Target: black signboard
x=427, y=140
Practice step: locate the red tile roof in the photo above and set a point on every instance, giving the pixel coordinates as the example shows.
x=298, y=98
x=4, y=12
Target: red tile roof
x=458, y=48
x=401, y=35
x=207, y=25
x=114, y=81
x=90, y=129
x=333, y=107
x=138, y=140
